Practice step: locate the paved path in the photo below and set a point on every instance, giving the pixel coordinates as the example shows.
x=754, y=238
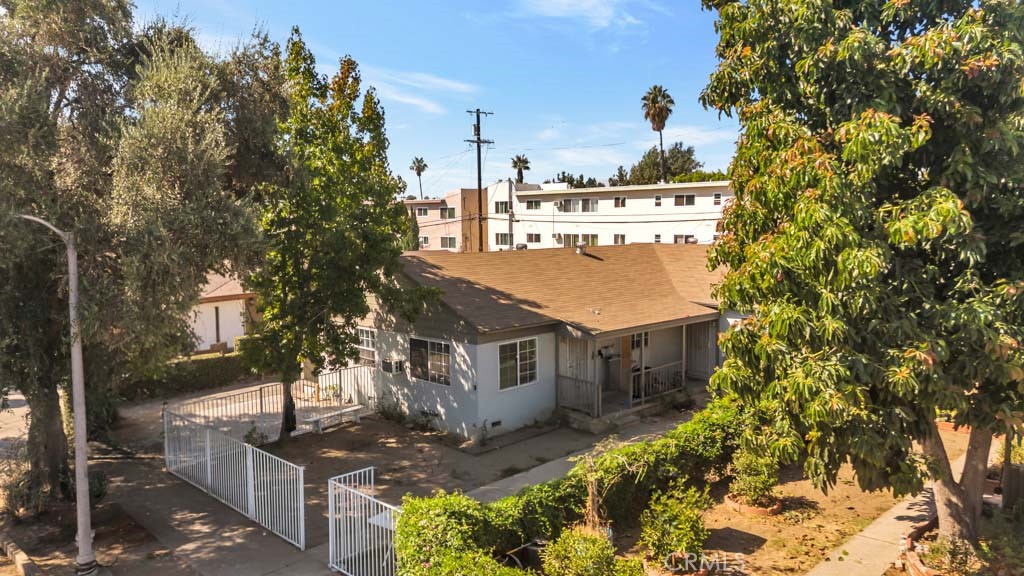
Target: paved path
x=13, y=422
x=874, y=550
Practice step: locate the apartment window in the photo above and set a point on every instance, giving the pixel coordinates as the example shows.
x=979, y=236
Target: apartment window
x=424, y=241
x=501, y=238
x=685, y=199
x=718, y=198
x=571, y=205
x=589, y=239
x=533, y=204
x=430, y=361
x=448, y=213
x=447, y=241
x=570, y=240
x=620, y=239
x=501, y=207
x=683, y=239
x=517, y=363
x=634, y=340
x=657, y=200
x=657, y=238
x=367, y=346
x=422, y=211
x=588, y=205
x=620, y=201
x=533, y=238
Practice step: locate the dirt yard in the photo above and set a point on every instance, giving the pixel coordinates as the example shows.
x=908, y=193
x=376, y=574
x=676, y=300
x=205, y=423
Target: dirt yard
x=810, y=525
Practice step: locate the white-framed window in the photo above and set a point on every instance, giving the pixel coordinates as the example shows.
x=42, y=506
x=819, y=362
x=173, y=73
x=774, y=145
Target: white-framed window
x=588, y=205
x=657, y=238
x=517, y=363
x=657, y=200
x=430, y=360
x=620, y=239
x=501, y=238
x=571, y=205
x=718, y=198
x=589, y=239
x=683, y=238
x=501, y=207
x=424, y=240
x=533, y=204
x=532, y=238
x=422, y=211
x=685, y=199
x=448, y=213
x=620, y=201
x=447, y=241
x=367, y=346
x=634, y=340
x=570, y=240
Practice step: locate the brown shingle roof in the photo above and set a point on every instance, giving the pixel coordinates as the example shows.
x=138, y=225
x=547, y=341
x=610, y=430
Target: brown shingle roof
x=610, y=288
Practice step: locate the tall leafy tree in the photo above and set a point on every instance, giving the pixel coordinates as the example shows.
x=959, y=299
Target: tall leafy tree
x=520, y=163
x=333, y=225
x=621, y=177
x=657, y=105
x=876, y=237
x=419, y=166
x=411, y=240
x=679, y=161
x=125, y=148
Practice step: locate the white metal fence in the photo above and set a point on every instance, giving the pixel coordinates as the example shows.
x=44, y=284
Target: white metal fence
x=353, y=385
x=361, y=527
x=262, y=486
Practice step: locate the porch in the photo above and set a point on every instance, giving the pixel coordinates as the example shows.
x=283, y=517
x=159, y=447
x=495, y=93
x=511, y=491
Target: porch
x=606, y=374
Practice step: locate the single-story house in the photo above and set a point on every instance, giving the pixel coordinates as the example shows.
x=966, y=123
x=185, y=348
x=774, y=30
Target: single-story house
x=519, y=336
x=222, y=314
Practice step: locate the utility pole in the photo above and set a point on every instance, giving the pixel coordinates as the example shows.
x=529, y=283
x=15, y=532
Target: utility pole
x=479, y=176
x=86, y=559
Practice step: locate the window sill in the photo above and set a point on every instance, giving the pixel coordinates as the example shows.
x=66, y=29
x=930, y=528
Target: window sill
x=518, y=387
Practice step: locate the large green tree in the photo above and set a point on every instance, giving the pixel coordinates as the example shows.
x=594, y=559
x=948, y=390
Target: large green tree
x=876, y=237
x=118, y=138
x=333, y=225
x=679, y=161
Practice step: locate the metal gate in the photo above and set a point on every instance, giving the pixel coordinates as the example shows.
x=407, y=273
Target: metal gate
x=362, y=528
x=262, y=486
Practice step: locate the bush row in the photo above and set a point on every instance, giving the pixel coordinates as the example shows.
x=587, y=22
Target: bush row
x=438, y=530
x=192, y=374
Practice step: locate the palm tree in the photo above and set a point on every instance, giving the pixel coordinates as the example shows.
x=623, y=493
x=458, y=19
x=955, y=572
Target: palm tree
x=419, y=167
x=657, y=105
x=520, y=163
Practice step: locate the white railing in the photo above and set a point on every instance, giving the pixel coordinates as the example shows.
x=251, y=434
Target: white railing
x=262, y=486
x=657, y=381
x=361, y=527
x=578, y=394
x=353, y=385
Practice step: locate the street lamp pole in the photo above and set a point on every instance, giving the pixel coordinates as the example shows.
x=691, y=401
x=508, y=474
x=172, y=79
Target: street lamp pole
x=86, y=559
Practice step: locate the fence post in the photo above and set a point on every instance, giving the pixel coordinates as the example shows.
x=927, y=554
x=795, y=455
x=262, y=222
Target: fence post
x=261, y=399
x=302, y=508
x=167, y=439
x=209, y=463
x=250, y=481
x=331, y=515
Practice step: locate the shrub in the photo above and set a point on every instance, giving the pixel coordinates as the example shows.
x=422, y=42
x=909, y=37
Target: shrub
x=200, y=372
x=474, y=563
x=433, y=528
x=628, y=567
x=755, y=478
x=707, y=442
x=673, y=522
x=579, y=552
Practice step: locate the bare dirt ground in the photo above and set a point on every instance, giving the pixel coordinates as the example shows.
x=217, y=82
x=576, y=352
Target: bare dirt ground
x=809, y=526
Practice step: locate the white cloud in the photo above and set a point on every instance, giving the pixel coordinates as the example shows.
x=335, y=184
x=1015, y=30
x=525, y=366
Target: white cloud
x=604, y=158
x=548, y=134
x=391, y=93
x=597, y=14
x=693, y=135
x=420, y=80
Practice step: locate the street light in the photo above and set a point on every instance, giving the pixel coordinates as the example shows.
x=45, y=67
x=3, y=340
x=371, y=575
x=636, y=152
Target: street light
x=86, y=559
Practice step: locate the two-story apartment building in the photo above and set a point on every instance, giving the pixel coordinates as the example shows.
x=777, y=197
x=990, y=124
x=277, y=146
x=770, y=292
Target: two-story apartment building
x=655, y=213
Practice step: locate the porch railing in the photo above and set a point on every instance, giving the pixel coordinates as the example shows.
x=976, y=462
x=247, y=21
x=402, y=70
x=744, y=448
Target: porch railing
x=657, y=381
x=578, y=394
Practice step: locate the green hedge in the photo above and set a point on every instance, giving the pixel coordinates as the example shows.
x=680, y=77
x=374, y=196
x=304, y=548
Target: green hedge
x=192, y=374
x=438, y=528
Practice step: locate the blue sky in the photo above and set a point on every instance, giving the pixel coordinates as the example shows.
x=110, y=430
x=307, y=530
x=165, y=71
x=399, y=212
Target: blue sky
x=564, y=78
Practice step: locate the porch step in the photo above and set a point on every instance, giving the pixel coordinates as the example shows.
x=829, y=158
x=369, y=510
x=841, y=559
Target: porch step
x=609, y=422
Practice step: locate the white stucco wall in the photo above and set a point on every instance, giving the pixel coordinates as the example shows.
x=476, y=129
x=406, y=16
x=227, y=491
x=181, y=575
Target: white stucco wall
x=232, y=323
x=521, y=405
x=455, y=405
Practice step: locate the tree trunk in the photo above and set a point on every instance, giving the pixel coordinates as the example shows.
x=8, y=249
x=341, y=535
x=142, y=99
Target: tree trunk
x=661, y=146
x=975, y=471
x=954, y=504
x=287, y=412
x=420, y=178
x=49, y=473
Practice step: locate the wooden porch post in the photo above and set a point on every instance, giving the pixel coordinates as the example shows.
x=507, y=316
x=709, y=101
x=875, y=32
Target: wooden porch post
x=593, y=376
x=643, y=369
x=626, y=368
x=683, y=342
